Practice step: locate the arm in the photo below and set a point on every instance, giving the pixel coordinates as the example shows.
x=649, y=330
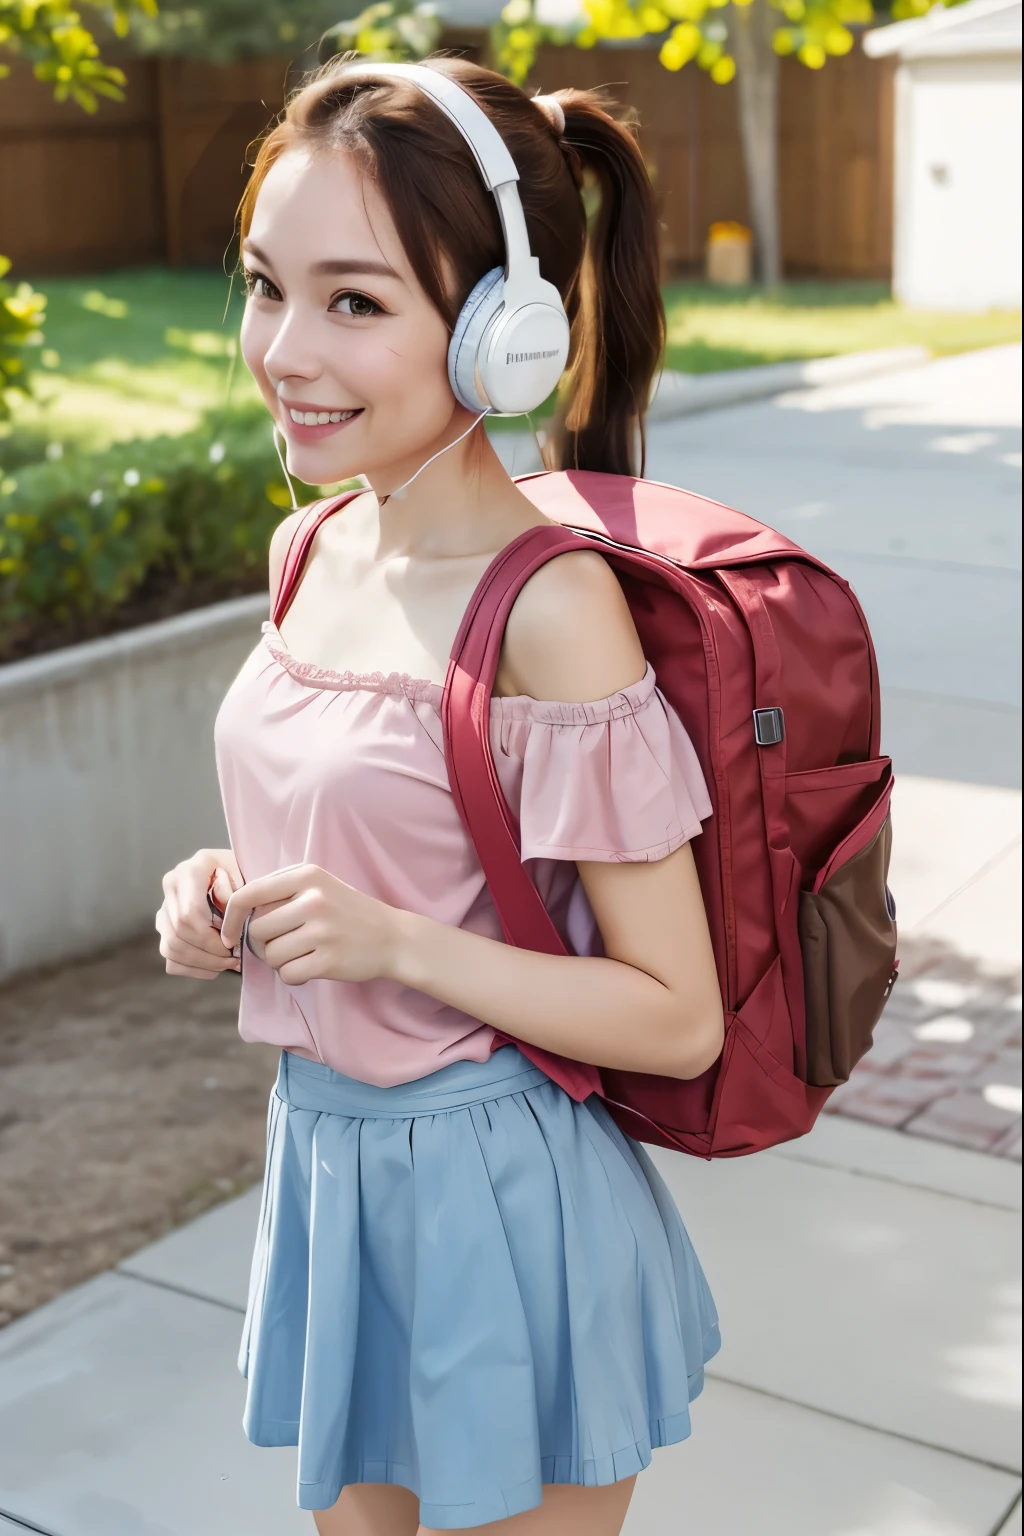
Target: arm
x=650, y=1004
x=189, y=939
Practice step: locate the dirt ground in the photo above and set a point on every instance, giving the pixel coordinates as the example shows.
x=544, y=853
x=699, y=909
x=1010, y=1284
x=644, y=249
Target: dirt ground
x=128, y=1104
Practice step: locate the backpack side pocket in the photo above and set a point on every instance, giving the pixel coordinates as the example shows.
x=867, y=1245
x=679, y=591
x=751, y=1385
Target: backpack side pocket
x=847, y=925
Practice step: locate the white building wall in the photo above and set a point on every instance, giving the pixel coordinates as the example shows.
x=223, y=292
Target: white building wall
x=958, y=183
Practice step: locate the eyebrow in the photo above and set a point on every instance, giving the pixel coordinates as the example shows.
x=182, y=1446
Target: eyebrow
x=333, y=268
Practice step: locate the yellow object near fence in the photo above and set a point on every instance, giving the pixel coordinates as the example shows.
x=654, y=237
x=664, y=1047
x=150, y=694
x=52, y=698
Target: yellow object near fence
x=729, y=254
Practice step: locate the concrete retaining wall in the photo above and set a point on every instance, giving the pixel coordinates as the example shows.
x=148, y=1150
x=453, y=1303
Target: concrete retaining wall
x=107, y=778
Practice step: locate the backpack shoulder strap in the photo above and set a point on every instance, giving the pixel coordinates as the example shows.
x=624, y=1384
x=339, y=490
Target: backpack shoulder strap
x=299, y=546
x=465, y=717
x=488, y=818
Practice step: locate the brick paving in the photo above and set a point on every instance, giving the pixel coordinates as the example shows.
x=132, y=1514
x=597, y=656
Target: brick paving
x=946, y=1062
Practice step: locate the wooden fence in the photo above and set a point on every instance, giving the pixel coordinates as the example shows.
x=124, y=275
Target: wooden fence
x=157, y=178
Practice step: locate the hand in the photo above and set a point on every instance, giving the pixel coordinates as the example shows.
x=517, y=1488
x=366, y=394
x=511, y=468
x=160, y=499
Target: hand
x=309, y=925
x=189, y=940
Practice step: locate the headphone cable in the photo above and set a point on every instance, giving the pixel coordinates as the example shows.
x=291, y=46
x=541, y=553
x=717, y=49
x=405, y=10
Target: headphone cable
x=400, y=490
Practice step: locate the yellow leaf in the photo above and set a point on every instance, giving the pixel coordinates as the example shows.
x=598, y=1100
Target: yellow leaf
x=689, y=36
x=838, y=41
x=725, y=69
x=783, y=42
x=854, y=12
x=813, y=55
x=688, y=39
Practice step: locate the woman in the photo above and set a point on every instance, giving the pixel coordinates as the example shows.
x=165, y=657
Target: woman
x=473, y=1303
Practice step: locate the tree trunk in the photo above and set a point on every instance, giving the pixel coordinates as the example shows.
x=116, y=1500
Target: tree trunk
x=757, y=65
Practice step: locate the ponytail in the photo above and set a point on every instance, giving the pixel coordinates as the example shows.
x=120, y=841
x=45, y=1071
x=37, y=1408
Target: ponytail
x=618, y=319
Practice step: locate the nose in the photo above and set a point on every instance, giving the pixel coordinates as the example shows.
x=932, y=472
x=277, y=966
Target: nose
x=292, y=353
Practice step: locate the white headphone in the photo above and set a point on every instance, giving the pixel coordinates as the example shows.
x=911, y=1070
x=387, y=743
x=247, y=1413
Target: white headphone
x=511, y=340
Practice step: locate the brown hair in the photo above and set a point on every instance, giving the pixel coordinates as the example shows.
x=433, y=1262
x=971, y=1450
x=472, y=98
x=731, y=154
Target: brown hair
x=605, y=267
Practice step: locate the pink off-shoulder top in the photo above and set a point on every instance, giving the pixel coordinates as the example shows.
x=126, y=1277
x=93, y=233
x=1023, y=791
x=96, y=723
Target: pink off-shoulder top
x=348, y=772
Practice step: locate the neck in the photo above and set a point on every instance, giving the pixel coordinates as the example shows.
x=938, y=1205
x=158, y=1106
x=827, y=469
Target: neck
x=462, y=504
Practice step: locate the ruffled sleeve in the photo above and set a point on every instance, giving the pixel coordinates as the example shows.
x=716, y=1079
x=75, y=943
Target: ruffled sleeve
x=616, y=780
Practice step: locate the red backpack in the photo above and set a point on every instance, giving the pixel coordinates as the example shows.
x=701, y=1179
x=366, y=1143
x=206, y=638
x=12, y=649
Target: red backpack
x=765, y=655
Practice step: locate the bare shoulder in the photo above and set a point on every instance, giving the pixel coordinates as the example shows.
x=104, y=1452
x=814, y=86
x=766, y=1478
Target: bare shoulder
x=281, y=541
x=282, y=538
x=570, y=634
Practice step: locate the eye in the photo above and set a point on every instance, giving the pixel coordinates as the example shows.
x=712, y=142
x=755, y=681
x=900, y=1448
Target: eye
x=359, y=305
x=259, y=287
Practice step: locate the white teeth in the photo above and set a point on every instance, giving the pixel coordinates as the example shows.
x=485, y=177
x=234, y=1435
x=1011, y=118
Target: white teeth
x=318, y=418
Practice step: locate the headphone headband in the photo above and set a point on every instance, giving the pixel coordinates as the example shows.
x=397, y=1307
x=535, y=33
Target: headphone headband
x=511, y=340
x=492, y=157
x=495, y=164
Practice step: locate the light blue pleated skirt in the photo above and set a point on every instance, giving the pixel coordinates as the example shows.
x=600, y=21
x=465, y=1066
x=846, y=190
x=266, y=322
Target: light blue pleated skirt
x=468, y=1285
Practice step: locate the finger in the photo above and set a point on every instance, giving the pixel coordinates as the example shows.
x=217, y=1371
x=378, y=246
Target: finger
x=171, y=905
x=231, y=869
x=306, y=968
x=223, y=887
x=276, y=918
x=186, y=905
x=202, y=937
x=280, y=886
x=288, y=947
x=177, y=947
x=183, y=954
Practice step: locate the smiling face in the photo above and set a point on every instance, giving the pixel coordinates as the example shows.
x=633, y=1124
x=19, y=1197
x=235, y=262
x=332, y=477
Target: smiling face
x=348, y=352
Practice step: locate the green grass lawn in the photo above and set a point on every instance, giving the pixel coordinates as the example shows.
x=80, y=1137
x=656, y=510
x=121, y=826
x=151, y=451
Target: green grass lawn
x=718, y=328
x=141, y=353
x=151, y=351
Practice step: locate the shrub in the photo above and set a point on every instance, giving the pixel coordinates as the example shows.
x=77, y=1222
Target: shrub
x=21, y=315
x=184, y=519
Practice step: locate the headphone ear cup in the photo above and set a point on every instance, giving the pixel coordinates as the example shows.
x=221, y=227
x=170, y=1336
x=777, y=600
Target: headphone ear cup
x=474, y=318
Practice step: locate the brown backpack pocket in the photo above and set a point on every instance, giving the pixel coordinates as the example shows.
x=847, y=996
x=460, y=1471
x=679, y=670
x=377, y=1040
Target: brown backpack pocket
x=847, y=925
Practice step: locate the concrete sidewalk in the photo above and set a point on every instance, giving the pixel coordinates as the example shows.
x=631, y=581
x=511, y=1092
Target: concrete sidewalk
x=868, y=1283
x=868, y=1279
x=866, y=1383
